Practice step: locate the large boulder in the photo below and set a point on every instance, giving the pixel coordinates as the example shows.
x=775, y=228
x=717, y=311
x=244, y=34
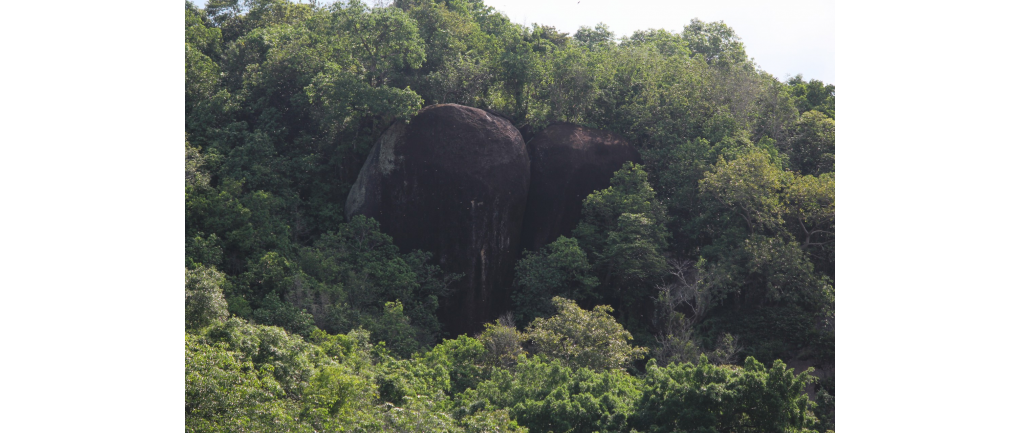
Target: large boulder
x=454, y=182
x=568, y=162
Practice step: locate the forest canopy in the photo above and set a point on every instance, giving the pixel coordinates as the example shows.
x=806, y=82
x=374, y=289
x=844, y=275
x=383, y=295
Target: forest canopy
x=680, y=302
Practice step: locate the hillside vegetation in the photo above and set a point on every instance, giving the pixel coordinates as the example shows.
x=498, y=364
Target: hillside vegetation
x=655, y=315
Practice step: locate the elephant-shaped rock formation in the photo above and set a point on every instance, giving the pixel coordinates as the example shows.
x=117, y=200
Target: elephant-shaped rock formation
x=454, y=181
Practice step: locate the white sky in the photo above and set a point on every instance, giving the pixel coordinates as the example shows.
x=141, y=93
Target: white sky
x=785, y=37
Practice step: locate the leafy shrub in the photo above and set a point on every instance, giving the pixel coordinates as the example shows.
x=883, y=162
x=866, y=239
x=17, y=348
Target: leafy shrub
x=703, y=397
x=558, y=269
x=581, y=338
x=502, y=342
x=545, y=395
x=275, y=312
x=203, y=298
x=464, y=358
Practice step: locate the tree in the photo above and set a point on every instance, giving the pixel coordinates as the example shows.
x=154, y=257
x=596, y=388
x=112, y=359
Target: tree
x=812, y=148
x=812, y=205
x=749, y=185
x=702, y=397
x=571, y=85
x=770, y=399
x=558, y=269
x=547, y=38
x=786, y=272
x=203, y=44
x=239, y=17
x=200, y=32
x=813, y=95
x=674, y=331
x=595, y=38
x=812, y=218
x=396, y=330
x=771, y=257
x=201, y=75
x=622, y=229
x=715, y=41
x=275, y=312
x=464, y=357
x=361, y=271
x=203, y=297
x=666, y=42
x=581, y=338
x=629, y=193
x=225, y=391
x=545, y=395
x=502, y=342
x=383, y=40
x=518, y=69
x=335, y=393
x=634, y=250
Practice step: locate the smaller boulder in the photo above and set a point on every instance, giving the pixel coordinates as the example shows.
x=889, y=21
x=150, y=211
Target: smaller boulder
x=568, y=162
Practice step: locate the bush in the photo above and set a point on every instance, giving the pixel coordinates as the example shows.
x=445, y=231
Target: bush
x=582, y=338
x=703, y=397
x=203, y=298
x=275, y=312
x=558, y=269
x=463, y=357
x=546, y=395
x=502, y=342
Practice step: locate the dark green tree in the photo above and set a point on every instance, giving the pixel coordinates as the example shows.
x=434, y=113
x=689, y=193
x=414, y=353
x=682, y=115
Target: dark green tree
x=623, y=231
x=558, y=269
x=813, y=95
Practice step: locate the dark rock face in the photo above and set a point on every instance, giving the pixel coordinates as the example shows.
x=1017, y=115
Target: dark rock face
x=453, y=182
x=568, y=162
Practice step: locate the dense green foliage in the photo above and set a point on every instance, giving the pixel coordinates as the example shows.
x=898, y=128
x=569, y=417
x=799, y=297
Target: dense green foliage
x=718, y=251
x=559, y=269
x=582, y=338
x=241, y=376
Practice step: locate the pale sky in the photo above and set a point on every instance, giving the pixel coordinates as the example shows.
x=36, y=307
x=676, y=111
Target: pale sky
x=785, y=37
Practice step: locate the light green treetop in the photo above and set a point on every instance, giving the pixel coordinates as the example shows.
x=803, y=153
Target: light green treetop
x=582, y=338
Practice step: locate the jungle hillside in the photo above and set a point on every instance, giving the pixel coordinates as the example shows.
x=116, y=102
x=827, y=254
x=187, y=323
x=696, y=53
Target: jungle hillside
x=693, y=291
